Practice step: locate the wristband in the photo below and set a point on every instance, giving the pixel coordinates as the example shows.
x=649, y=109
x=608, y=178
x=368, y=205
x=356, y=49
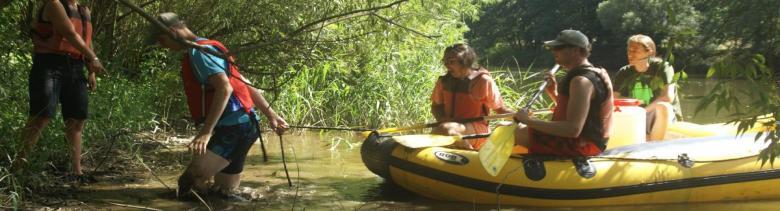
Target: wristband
x=90, y=60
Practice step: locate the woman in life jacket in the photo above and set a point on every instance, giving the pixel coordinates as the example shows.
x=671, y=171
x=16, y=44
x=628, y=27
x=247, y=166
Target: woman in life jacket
x=583, y=105
x=62, y=47
x=465, y=91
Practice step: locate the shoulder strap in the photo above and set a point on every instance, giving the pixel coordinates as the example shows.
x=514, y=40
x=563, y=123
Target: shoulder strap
x=228, y=62
x=64, y=4
x=220, y=48
x=83, y=14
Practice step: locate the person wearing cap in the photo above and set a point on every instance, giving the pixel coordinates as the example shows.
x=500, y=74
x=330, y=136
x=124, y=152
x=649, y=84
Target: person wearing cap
x=583, y=104
x=62, y=47
x=466, y=91
x=222, y=101
x=650, y=80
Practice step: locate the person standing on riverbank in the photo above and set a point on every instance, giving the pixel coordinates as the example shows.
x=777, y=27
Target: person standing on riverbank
x=650, y=80
x=466, y=91
x=62, y=47
x=222, y=101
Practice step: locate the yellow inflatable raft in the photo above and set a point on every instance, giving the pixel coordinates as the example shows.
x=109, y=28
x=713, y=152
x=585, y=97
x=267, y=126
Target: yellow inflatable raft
x=703, y=165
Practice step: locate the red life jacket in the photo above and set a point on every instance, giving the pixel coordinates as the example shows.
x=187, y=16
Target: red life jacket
x=599, y=118
x=47, y=40
x=199, y=96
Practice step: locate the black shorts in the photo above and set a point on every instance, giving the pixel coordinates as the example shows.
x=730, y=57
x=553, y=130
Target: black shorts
x=233, y=143
x=58, y=78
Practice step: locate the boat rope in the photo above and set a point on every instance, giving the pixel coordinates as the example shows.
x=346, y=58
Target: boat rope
x=503, y=181
x=330, y=128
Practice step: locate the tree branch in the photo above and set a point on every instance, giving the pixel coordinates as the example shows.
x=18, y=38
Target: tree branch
x=142, y=6
x=404, y=27
x=167, y=31
x=327, y=20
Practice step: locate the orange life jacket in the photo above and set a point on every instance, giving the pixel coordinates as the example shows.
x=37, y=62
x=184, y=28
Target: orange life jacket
x=47, y=40
x=459, y=104
x=199, y=96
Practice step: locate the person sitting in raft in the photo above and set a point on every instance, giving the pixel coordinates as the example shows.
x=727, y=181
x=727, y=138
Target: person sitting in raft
x=583, y=104
x=650, y=80
x=466, y=91
x=222, y=101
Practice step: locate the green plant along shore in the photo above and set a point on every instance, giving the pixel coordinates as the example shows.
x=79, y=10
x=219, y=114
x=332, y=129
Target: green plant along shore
x=372, y=68
x=358, y=63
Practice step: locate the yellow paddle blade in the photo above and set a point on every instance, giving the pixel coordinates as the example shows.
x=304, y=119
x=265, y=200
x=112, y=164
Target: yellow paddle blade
x=496, y=151
x=425, y=140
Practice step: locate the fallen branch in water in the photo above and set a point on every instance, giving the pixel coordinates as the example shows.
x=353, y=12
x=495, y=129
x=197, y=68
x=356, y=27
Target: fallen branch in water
x=153, y=174
x=133, y=206
x=200, y=199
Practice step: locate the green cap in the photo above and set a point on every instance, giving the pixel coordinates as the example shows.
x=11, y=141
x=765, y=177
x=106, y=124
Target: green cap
x=569, y=37
x=168, y=19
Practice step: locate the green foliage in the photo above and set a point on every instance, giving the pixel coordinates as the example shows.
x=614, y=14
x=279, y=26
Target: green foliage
x=524, y=25
x=660, y=19
x=762, y=89
x=748, y=34
x=370, y=69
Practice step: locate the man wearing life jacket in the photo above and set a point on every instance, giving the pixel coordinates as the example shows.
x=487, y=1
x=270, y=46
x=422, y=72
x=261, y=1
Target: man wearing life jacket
x=583, y=104
x=464, y=92
x=223, y=101
x=62, y=47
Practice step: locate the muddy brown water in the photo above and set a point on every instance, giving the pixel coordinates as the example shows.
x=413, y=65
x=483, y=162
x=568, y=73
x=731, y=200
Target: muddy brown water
x=327, y=174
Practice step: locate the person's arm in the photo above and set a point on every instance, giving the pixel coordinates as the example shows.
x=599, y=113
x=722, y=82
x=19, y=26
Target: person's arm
x=277, y=123
x=667, y=92
x=222, y=91
x=580, y=91
x=55, y=11
x=437, y=104
x=438, y=112
x=552, y=86
x=493, y=97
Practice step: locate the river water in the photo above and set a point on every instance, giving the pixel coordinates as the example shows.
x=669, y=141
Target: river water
x=327, y=174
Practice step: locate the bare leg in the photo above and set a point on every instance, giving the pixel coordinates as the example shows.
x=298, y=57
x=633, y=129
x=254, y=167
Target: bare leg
x=521, y=136
x=453, y=129
x=663, y=116
x=226, y=182
x=73, y=132
x=30, y=135
x=202, y=168
x=449, y=129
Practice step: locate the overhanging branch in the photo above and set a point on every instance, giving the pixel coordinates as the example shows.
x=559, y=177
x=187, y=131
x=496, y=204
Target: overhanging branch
x=329, y=19
x=404, y=27
x=167, y=31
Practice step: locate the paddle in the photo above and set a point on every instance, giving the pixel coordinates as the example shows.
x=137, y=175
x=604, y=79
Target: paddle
x=496, y=151
x=430, y=140
x=434, y=124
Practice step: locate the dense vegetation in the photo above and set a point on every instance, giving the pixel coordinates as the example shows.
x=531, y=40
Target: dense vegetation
x=695, y=33
x=354, y=63
x=362, y=63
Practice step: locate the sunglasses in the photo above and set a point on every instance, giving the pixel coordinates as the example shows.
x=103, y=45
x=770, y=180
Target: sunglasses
x=561, y=47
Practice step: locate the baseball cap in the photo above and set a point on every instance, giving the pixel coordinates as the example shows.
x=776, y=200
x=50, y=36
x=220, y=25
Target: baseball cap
x=168, y=19
x=568, y=37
